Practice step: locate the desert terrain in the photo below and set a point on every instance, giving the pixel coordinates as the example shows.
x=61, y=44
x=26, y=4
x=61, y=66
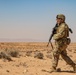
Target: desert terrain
x=21, y=58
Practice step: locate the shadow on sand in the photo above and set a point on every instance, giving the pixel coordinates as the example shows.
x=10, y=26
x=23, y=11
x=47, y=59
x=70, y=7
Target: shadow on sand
x=58, y=71
x=67, y=71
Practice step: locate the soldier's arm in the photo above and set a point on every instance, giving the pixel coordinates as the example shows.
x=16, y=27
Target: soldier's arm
x=61, y=33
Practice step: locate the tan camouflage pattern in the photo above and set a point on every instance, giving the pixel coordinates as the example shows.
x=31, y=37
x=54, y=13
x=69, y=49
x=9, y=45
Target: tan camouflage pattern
x=60, y=16
x=60, y=45
x=62, y=32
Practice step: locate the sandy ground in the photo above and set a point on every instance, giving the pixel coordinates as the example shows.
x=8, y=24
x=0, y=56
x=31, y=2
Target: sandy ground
x=28, y=65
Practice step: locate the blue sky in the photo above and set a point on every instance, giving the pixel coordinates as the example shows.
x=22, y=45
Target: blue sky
x=34, y=19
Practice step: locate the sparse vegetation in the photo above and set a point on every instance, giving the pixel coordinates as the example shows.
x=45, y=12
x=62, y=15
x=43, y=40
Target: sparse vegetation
x=38, y=55
x=31, y=60
x=13, y=53
x=28, y=53
x=8, y=53
x=4, y=55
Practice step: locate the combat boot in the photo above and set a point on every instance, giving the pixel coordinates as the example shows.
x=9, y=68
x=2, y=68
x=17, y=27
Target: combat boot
x=74, y=68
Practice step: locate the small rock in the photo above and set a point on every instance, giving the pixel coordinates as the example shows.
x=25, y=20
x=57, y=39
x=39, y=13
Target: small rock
x=7, y=71
x=24, y=71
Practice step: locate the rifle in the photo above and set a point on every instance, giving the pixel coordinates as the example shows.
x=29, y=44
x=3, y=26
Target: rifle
x=54, y=32
x=50, y=42
x=70, y=30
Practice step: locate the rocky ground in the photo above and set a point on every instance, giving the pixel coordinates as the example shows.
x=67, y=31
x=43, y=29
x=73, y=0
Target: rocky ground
x=32, y=59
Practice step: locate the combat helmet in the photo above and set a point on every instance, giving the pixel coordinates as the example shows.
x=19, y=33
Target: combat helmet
x=61, y=16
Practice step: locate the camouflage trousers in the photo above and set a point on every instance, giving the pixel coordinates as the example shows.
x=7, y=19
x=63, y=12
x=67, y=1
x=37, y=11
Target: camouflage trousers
x=60, y=50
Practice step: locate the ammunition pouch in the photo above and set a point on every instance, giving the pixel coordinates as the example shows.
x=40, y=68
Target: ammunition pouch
x=64, y=41
x=68, y=41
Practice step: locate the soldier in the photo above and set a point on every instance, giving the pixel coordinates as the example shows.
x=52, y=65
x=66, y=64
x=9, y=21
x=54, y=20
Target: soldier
x=61, y=43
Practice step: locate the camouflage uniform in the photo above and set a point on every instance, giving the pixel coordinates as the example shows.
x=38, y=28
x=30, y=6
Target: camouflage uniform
x=61, y=44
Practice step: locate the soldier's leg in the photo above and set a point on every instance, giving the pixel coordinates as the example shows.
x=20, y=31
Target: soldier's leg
x=68, y=60
x=55, y=58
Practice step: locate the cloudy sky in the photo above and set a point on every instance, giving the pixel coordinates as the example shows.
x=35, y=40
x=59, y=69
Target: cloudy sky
x=33, y=20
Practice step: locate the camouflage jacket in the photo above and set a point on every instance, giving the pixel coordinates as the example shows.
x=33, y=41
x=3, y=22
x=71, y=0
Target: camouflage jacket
x=61, y=32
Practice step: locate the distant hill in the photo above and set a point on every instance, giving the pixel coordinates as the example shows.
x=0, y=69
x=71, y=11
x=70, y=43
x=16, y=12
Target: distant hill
x=21, y=40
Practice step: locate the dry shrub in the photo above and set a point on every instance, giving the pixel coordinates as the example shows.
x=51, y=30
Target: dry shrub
x=28, y=53
x=4, y=55
x=8, y=53
x=38, y=55
x=13, y=53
